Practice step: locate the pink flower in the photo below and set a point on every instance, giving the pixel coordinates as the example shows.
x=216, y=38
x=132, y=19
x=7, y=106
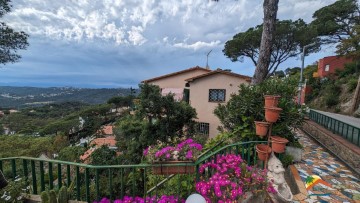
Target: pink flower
x=189, y=155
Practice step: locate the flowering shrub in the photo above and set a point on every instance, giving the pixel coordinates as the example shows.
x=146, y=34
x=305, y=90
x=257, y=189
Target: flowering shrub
x=185, y=150
x=153, y=199
x=231, y=180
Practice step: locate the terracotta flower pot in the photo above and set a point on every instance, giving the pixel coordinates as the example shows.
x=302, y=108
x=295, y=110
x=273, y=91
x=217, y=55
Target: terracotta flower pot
x=261, y=128
x=278, y=144
x=272, y=114
x=263, y=151
x=164, y=167
x=271, y=100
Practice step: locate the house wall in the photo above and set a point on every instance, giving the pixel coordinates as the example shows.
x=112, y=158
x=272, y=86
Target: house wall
x=177, y=81
x=199, y=97
x=334, y=63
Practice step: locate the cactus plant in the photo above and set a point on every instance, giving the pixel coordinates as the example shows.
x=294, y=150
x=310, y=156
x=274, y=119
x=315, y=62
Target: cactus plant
x=53, y=198
x=63, y=196
x=45, y=197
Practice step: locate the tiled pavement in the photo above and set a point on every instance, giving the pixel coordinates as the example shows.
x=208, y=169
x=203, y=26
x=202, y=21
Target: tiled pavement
x=337, y=184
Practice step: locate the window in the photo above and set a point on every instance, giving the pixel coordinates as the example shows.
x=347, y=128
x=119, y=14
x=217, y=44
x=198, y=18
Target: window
x=202, y=128
x=327, y=67
x=217, y=95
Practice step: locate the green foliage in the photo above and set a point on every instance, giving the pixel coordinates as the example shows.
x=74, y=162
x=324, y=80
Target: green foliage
x=336, y=20
x=224, y=137
x=352, y=84
x=14, y=145
x=239, y=114
x=63, y=195
x=286, y=160
x=103, y=156
x=15, y=191
x=181, y=185
x=349, y=70
x=53, y=197
x=11, y=41
x=71, y=153
x=339, y=23
x=331, y=100
x=120, y=101
x=157, y=118
x=331, y=97
x=289, y=38
x=45, y=197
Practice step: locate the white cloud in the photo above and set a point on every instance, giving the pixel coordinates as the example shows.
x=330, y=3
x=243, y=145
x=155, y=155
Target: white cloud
x=127, y=38
x=197, y=45
x=138, y=21
x=135, y=35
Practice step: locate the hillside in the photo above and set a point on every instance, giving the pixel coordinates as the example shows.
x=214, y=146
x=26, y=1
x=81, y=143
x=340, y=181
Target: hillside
x=22, y=97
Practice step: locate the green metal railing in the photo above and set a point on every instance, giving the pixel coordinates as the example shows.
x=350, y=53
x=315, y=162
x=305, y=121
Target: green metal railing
x=89, y=182
x=347, y=131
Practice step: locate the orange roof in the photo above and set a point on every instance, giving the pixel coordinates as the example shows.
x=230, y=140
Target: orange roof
x=247, y=78
x=108, y=130
x=87, y=154
x=176, y=73
x=110, y=140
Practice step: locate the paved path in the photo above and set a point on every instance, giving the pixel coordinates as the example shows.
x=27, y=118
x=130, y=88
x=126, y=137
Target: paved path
x=337, y=183
x=346, y=119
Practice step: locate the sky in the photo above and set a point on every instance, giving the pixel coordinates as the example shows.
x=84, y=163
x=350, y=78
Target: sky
x=119, y=43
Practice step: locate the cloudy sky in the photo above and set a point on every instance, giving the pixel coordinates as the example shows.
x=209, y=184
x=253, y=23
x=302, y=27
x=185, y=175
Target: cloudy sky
x=118, y=43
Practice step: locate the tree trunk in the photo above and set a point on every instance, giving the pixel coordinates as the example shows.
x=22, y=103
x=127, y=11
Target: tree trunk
x=270, y=10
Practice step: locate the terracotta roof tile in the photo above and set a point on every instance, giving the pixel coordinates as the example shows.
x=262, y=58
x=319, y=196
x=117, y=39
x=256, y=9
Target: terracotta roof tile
x=247, y=78
x=176, y=73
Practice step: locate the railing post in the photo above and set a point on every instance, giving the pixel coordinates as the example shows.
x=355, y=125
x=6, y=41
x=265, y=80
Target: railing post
x=13, y=168
x=68, y=175
x=1, y=165
x=110, y=183
x=144, y=178
x=51, y=177
x=87, y=184
x=42, y=179
x=59, y=175
x=33, y=175
x=77, y=183
x=97, y=184
x=122, y=182
x=25, y=167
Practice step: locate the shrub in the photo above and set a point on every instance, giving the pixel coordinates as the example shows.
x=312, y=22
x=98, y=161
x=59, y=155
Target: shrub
x=239, y=114
x=286, y=160
x=351, y=84
x=231, y=180
x=331, y=100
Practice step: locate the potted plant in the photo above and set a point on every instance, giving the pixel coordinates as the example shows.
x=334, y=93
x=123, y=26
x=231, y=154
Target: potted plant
x=263, y=151
x=261, y=128
x=182, y=155
x=231, y=180
x=278, y=144
x=271, y=100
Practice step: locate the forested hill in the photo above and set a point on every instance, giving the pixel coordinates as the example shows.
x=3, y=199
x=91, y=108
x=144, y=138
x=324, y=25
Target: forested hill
x=22, y=97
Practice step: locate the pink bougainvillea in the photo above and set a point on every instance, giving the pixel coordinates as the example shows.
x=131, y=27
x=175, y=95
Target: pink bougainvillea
x=231, y=179
x=185, y=150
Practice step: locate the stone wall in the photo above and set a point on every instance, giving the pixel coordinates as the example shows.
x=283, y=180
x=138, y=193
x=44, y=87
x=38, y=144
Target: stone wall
x=339, y=146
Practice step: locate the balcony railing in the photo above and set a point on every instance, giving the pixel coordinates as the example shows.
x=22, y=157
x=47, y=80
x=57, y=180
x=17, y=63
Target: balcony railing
x=89, y=182
x=347, y=131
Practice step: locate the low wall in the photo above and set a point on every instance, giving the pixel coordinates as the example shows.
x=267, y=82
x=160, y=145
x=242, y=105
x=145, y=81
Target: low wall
x=340, y=147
